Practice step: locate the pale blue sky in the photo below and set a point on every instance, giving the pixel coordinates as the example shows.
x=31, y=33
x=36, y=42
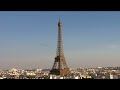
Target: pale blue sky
x=29, y=39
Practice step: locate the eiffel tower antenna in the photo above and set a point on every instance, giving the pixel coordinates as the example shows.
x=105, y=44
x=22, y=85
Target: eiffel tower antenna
x=59, y=18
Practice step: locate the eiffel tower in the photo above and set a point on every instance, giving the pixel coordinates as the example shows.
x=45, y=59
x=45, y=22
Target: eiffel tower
x=60, y=66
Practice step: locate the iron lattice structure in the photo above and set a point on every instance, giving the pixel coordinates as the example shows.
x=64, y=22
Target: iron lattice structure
x=60, y=66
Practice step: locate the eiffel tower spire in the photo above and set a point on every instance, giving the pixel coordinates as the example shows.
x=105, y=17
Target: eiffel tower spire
x=60, y=66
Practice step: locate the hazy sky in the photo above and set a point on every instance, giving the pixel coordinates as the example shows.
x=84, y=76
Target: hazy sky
x=29, y=39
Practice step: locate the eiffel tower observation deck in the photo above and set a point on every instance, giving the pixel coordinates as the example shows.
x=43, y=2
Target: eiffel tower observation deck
x=59, y=67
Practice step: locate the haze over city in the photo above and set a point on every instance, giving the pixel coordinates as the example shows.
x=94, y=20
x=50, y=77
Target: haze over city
x=28, y=40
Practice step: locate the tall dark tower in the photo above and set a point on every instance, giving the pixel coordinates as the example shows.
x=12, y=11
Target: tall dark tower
x=60, y=66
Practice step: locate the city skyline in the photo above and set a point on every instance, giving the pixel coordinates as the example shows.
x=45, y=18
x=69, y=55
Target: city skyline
x=29, y=39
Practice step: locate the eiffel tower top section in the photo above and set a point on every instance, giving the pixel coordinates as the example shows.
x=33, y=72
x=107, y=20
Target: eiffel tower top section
x=59, y=23
x=59, y=44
